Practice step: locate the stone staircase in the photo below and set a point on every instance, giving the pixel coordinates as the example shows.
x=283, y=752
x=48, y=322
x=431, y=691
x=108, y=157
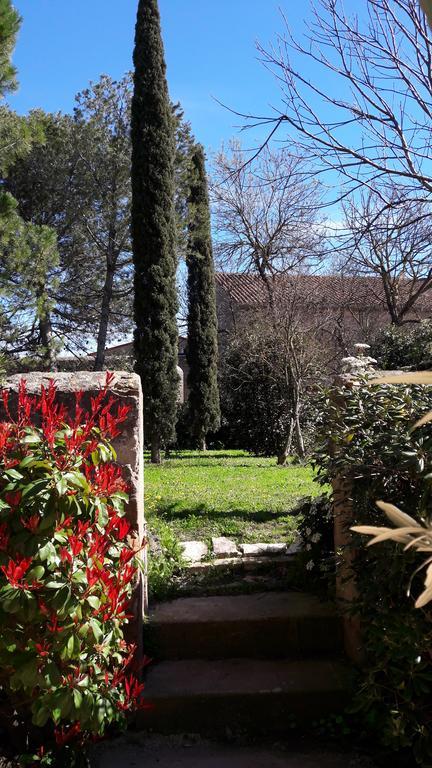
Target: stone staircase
x=230, y=569
x=252, y=663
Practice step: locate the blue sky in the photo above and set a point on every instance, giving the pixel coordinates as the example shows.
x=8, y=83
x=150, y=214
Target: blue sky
x=209, y=44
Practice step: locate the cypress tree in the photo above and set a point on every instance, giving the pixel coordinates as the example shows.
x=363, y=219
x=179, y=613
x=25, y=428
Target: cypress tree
x=153, y=231
x=202, y=345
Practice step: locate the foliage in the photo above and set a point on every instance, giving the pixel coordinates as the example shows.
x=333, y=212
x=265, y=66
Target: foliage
x=76, y=180
x=264, y=394
x=427, y=7
x=164, y=560
x=226, y=493
x=253, y=402
x=371, y=444
x=409, y=532
x=68, y=570
x=25, y=250
x=9, y=26
x=154, y=231
x=202, y=344
x=185, y=145
x=407, y=346
x=30, y=257
x=316, y=535
x=102, y=232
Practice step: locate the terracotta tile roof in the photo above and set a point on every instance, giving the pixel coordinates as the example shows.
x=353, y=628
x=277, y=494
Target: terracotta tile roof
x=329, y=291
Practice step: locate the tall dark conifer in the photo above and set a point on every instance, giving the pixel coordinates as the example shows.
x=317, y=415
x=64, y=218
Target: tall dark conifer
x=202, y=346
x=153, y=231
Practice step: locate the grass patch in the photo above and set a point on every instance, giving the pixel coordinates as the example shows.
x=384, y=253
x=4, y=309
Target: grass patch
x=226, y=493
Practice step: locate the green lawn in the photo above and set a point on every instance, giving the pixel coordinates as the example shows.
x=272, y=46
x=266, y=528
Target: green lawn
x=226, y=493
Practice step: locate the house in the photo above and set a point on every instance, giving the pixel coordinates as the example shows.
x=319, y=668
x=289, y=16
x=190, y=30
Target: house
x=340, y=309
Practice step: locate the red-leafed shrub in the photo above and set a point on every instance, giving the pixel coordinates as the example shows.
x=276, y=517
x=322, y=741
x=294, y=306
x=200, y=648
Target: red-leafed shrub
x=67, y=572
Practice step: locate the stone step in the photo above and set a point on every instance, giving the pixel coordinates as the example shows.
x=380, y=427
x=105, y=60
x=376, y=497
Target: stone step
x=209, y=697
x=214, y=577
x=264, y=625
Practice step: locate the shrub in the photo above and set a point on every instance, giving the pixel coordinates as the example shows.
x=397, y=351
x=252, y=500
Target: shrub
x=316, y=535
x=67, y=573
x=406, y=346
x=261, y=401
x=375, y=449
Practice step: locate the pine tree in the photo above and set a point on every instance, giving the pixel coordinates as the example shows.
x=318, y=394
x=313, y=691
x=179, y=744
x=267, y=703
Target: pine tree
x=28, y=252
x=202, y=345
x=153, y=231
x=9, y=25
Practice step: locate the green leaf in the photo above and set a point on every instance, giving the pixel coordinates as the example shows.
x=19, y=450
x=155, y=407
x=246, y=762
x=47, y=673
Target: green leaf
x=79, y=577
x=61, y=485
x=104, y=452
x=48, y=552
x=77, y=698
x=94, y=602
x=13, y=603
x=71, y=646
x=14, y=474
x=36, y=573
x=56, y=715
x=66, y=703
x=37, y=487
x=31, y=439
x=96, y=628
x=29, y=673
x=52, y=674
x=77, y=480
x=103, y=517
x=41, y=717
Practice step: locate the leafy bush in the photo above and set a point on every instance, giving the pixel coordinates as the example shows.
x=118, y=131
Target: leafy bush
x=407, y=346
x=259, y=397
x=68, y=570
x=316, y=535
x=375, y=449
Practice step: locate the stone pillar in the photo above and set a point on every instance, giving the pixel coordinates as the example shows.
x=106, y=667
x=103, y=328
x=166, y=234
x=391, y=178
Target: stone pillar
x=126, y=388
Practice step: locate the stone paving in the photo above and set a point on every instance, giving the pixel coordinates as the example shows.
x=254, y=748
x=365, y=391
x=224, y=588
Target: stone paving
x=140, y=751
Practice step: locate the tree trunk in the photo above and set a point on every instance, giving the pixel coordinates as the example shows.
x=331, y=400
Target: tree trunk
x=156, y=450
x=105, y=313
x=299, y=437
x=45, y=331
x=203, y=444
x=282, y=458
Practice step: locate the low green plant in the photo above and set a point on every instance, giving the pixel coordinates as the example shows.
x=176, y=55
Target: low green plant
x=68, y=569
x=165, y=560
